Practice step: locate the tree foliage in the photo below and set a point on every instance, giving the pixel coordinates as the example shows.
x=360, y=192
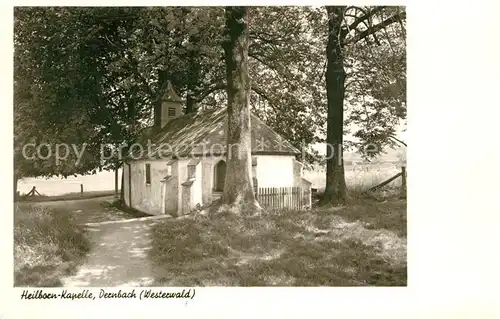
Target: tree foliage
x=376, y=93
x=376, y=84
x=96, y=75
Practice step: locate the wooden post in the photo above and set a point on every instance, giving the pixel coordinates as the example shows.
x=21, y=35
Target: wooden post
x=81, y=188
x=384, y=183
x=33, y=192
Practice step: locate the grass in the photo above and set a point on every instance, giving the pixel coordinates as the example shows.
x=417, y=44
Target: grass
x=47, y=246
x=68, y=196
x=357, y=245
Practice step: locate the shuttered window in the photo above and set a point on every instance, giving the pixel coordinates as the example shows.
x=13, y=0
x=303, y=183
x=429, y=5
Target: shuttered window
x=171, y=112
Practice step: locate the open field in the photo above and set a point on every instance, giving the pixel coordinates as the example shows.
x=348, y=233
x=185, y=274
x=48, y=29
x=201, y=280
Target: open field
x=357, y=245
x=68, y=196
x=359, y=177
x=54, y=186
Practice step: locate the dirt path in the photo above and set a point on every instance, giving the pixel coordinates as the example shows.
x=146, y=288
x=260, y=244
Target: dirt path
x=118, y=256
x=120, y=243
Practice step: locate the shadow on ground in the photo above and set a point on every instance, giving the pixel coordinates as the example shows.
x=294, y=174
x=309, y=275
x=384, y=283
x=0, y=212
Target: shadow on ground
x=83, y=211
x=282, y=248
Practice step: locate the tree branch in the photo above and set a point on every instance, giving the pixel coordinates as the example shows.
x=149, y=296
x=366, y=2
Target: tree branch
x=266, y=64
x=360, y=36
x=263, y=94
x=135, y=69
x=260, y=92
x=217, y=87
x=398, y=140
x=365, y=17
x=280, y=71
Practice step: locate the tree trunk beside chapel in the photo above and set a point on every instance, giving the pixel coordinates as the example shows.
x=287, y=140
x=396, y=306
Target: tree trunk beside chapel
x=335, y=190
x=238, y=188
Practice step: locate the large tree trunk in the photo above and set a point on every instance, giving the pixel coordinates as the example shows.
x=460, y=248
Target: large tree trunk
x=238, y=188
x=335, y=190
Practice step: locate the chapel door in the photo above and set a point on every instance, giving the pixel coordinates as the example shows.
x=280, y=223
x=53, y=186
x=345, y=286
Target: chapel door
x=219, y=176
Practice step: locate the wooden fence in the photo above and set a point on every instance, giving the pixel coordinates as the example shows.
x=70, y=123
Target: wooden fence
x=401, y=174
x=284, y=197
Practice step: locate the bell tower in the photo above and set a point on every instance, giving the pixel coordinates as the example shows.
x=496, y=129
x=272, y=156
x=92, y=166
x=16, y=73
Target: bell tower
x=171, y=105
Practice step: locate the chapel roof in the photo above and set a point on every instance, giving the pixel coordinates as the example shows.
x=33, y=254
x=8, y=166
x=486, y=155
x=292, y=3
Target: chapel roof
x=204, y=133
